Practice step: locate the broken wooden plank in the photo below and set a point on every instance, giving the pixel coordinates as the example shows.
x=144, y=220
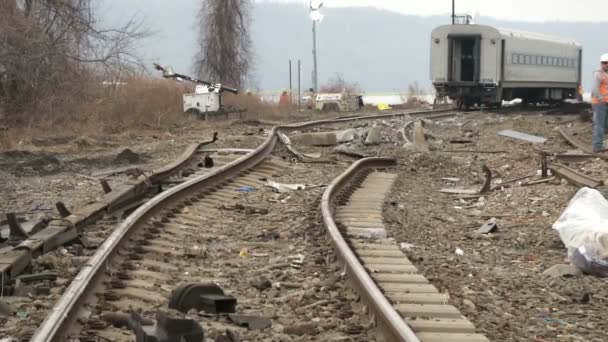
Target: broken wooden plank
x=522, y=136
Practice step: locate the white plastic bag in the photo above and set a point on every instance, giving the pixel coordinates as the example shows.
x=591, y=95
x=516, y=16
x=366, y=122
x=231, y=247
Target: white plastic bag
x=584, y=223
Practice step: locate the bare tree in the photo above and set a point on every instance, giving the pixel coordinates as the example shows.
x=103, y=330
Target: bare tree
x=224, y=42
x=338, y=84
x=50, y=48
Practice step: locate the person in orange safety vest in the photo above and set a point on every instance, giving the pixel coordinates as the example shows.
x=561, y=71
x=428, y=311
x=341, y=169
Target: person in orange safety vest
x=599, y=99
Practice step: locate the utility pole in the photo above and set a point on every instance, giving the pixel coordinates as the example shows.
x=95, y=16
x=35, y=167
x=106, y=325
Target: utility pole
x=314, y=56
x=290, y=85
x=453, y=12
x=299, y=84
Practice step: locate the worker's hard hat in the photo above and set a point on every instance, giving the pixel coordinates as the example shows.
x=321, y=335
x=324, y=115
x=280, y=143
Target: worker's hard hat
x=604, y=58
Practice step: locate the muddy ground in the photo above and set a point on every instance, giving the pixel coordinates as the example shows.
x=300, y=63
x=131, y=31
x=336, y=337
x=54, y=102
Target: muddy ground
x=497, y=281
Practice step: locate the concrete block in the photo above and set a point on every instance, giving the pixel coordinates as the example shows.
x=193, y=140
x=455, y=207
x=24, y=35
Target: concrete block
x=374, y=136
x=315, y=139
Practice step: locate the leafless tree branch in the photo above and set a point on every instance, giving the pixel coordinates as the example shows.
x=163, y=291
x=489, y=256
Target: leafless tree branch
x=225, y=49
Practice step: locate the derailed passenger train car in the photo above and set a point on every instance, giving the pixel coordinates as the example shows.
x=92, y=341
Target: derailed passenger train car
x=478, y=64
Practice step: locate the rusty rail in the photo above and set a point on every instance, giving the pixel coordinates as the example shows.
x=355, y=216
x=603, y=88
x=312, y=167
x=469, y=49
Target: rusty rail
x=59, y=232
x=579, y=144
x=574, y=176
x=56, y=326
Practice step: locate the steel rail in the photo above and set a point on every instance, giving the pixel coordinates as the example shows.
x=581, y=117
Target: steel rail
x=390, y=324
x=55, y=327
x=575, y=177
x=579, y=144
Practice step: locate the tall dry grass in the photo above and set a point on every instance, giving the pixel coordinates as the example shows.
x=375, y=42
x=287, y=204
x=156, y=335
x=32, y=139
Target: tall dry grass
x=132, y=105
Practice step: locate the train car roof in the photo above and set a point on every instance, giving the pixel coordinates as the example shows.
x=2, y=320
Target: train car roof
x=514, y=33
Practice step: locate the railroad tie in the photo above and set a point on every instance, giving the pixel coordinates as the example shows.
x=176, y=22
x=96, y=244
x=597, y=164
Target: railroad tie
x=421, y=305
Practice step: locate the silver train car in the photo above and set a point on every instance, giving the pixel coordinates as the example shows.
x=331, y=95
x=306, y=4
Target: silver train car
x=478, y=64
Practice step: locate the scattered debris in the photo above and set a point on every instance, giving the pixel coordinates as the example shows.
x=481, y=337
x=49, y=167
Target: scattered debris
x=522, y=136
x=475, y=151
x=302, y=157
x=248, y=210
x=127, y=156
x=589, y=264
x=487, y=185
x=251, y=322
x=459, y=251
x=282, y=188
x=539, y=181
x=489, y=227
x=451, y=180
x=246, y=189
x=562, y=270
x=584, y=223
x=166, y=329
x=301, y=329
x=459, y=191
x=297, y=261
x=262, y=283
x=404, y=246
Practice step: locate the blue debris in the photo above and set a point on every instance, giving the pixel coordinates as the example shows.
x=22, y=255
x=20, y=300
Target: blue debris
x=246, y=189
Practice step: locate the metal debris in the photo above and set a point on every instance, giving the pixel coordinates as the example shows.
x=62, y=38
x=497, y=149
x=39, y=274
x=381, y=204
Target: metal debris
x=489, y=227
x=202, y=297
x=487, y=185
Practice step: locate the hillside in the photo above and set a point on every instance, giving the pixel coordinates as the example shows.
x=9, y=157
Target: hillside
x=381, y=50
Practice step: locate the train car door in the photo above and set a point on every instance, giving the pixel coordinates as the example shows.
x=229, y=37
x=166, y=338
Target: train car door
x=464, y=58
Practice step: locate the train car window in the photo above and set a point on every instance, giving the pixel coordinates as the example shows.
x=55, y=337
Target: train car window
x=536, y=58
x=528, y=60
x=515, y=58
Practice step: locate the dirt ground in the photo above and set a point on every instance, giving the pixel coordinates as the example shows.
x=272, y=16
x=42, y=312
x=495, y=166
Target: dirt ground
x=496, y=281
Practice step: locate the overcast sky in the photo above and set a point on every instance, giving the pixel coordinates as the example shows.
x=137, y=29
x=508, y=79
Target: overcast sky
x=529, y=10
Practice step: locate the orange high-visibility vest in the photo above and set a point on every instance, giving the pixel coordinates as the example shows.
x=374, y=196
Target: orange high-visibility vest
x=603, y=90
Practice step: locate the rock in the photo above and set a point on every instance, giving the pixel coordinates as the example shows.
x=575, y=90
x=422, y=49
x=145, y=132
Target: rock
x=6, y=309
x=315, y=139
x=300, y=329
x=469, y=304
x=79, y=261
x=127, y=156
x=346, y=135
x=562, y=270
x=374, y=136
x=47, y=261
x=261, y=283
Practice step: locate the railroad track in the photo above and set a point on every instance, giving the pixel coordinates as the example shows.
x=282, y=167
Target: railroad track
x=149, y=238
x=406, y=307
